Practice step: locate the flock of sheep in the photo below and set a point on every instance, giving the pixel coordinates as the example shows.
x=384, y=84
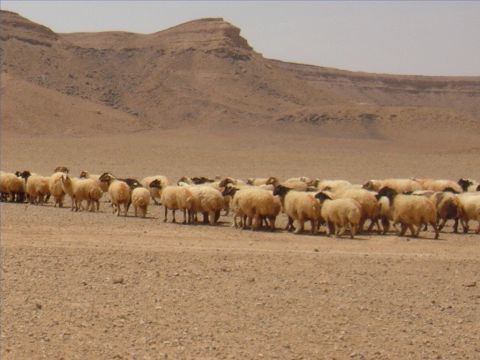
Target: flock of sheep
x=411, y=204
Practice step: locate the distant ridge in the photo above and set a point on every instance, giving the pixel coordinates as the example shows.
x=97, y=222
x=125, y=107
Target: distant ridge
x=204, y=73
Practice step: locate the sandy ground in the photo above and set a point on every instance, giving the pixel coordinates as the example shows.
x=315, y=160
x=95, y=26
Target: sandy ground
x=82, y=285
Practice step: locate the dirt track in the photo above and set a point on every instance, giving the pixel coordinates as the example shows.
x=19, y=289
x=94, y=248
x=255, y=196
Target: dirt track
x=81, y=285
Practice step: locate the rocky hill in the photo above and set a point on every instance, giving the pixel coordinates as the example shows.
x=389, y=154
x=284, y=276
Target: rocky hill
x=204, y=73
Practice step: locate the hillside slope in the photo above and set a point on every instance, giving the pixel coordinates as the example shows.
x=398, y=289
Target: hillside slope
x=203, y=73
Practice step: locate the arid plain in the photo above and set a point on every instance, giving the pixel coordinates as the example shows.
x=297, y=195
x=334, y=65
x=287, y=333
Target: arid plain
x=197, y=100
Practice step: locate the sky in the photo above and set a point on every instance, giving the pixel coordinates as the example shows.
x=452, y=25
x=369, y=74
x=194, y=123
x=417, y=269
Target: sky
x=404, y=37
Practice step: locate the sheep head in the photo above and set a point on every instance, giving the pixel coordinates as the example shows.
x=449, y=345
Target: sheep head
x=281, y=190
x=387, y=192
x=84, y=174
x=464, y=183
x=106, y=177
x=370, y=185
x=156, y=184
x=63, y=169
x=226, y=181
x=322, y=196
x=229, y=190
x=25, y=174
x=272, y=180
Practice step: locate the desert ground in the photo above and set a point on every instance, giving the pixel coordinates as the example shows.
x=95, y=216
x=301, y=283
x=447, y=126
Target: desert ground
x=93, y=285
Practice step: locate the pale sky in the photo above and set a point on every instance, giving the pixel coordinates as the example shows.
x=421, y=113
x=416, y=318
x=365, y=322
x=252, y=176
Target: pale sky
x=405, y=37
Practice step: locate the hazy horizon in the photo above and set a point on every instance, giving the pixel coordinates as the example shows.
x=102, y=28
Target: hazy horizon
x=417, y=38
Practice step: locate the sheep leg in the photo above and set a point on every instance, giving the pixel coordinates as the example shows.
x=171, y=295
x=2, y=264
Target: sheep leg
x=385, y=224
x=455, y=226
x=353, y=231
x=301, y=224
x=184, y=216
x=213, y=217
x=135, y=209
x=272, y=222
x=441, y=224
x=257, y=222
x=330, y=228
x=217, y=216
x=361, y=225
x=166, y=213
x=413, y=231
x=435, y=228
x=465, y=226
x=173, y=213
x=314, y=223
x=403, y=229
x=205, y=217
x=290, y=226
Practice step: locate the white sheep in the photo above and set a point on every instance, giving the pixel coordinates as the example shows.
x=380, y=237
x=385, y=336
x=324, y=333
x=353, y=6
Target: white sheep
x=368, y=205
x=56, y=189
x=86, y=175
x=140, y=200
x=208, y=201
x=176, y=198
x=448, y=207
x=254, y=203
x=439, y=185
x=37, y=189
x=81, y=190
x=340, y=214
x=408, y=211
x=155, y=192
x=12, y=186
x=470, y=209
x=399, y=185
x=331, y=185
x=292, y=183
x=299, y=206
x=119, y=191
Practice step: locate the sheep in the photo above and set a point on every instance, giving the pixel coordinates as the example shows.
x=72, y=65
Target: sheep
x=119, y=192
x=260, y=181
x=140, y=200
x=207, y=200
x=37, y=189
x=408, y=211
x=368, y=205
x=229, y=180
x=86, y=175
x=399, y=185
x=448, y=207
x=470, y=209
x=254, y=203
x=469, y=185
x=299, y=206
x=56, y=189
x=175, y=198
x=80, y=190
x=439, y=185
x=340, y=213
x=155, y=192
x=12, y=186
x=62, y=169
x=196, y=180
x=294, y=184
x=331, y=185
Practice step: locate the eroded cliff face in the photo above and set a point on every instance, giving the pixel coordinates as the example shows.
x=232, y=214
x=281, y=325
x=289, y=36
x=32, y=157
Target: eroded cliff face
x=204, y=72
